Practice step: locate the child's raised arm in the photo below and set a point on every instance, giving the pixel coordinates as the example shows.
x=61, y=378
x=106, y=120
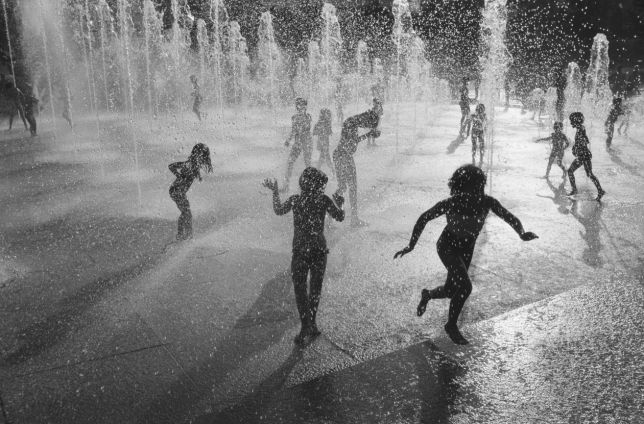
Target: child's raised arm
x=278, y=207
x=175, y=168
x=434, y=212
x=512, y=220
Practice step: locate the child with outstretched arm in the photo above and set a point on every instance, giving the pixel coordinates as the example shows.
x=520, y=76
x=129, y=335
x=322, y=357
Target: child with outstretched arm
x=559, y=143
x=309, y=245
x=466, y=210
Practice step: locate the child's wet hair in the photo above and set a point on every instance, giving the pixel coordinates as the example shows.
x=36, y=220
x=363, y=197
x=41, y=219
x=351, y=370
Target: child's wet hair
x=467, y=179
x=312, y=180
x=300, y=102
x=576, y=118
x=480, y=108
x=200, y=155
x=558, y=126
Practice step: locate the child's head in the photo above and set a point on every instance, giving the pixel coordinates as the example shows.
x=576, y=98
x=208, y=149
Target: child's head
x=558, y=126
x=467, y=179
x=300, y=104
x=200, y=156
x=480, y=109
x=576, y=119
x=325, y=115
x=617, y=101
x=193, y=79
x=313, y=181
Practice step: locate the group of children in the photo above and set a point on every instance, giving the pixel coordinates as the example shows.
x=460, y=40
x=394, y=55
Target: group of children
x=342, y=165
x=466, y=209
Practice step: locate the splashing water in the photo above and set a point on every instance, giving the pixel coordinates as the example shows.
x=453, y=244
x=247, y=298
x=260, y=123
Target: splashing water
x=495, y=61
x=597, y=94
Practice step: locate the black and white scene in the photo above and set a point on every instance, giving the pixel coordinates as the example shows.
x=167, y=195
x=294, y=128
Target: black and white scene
x=321, y=211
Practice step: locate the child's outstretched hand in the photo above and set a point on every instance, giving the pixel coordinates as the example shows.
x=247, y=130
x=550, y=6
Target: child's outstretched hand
x=338, y=199
x=529, y=235
x=403, y=252
x=270, y=184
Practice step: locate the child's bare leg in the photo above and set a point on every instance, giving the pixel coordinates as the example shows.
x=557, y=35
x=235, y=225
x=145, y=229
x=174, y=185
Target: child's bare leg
x=317, y=277
x=550, y=160
x=560, y=164
x=299, y=272
x=571, y=175
x=292, y=157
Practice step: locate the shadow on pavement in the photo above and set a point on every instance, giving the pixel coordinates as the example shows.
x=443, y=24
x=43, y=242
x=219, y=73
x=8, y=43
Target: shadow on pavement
x=454, y=144
x=82, y=261
x=558, y=196
x=588, y=213
x=412, y=384
x=263, y=325
x=614, y=156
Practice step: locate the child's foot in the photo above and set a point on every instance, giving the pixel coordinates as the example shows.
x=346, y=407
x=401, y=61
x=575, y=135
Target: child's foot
x=600, y=194
x=314, y=331
x=424, y=298
x=454, y=333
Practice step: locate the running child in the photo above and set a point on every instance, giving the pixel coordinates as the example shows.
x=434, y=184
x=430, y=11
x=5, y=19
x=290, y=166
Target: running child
x=559, y=144
x=186, y=172
x=323, y=131
x=309, y=245
x=345, y=166
x=196, y=93
x=301, y=134
x=615, y=112
x=466, y=210
x=582, y=154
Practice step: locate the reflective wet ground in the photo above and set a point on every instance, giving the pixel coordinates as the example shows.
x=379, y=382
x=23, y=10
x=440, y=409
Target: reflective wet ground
x=105, y=320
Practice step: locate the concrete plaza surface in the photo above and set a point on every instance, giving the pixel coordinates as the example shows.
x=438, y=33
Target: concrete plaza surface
x=105, y=320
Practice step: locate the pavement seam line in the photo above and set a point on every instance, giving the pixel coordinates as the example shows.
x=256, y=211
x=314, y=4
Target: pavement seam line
x=100, y=358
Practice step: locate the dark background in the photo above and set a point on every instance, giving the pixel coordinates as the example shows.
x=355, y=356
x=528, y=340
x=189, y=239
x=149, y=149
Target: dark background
x=541, y=34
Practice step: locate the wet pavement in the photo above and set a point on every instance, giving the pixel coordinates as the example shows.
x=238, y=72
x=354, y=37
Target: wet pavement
x=105, y=320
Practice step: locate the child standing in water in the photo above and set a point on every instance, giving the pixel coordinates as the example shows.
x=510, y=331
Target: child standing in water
x=323, y=131
x=466, y=210
x=478, y=123
x=615, y=112
x=196, y=93
x=309, y=245
x=301, y=134
x=559, y=144
x=186, y=172
x=345, y=166
x=582, y=154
